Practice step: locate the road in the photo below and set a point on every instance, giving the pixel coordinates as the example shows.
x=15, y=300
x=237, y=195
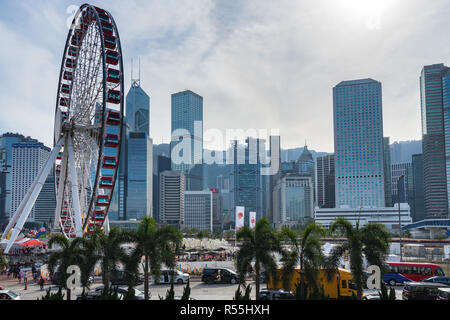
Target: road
x=199, y=290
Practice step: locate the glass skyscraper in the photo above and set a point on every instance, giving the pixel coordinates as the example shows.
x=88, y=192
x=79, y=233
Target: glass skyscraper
x=358, y=144
x=435, y=108
x=187, y=130
x=138, y=108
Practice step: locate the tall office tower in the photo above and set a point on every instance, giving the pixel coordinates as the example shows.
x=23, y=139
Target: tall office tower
x=293, y=200
x=401, y=189
x=186, y=146
x=247, y=179
x=118, y=209
x=325, y=182
x=306, y=168
x=7, y=141
x=387, y=172
x=358, y=144
x=171, y=198
x=27, y=160
x=418, y=203
x=434, y=150
x=275, y=163
x=138, y=108
x=217, y=209
x=162, y=164
x=198, y=210
x=140, y=176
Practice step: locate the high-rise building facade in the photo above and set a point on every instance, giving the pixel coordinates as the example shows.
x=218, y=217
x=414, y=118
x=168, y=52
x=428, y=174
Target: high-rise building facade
x=401, y=188
x=387, y=172
x=325, y=181
x=138, y=108
x=171, y=198
x=418, y=203
x=434, y=150
x=198, y=210
x=139, y=176
x=247, y=180
x=7, y=140
x=358, y=144
x=306, y=168
x=187, y=137
x=293, y=200
x=162, y=164
x=27, y=160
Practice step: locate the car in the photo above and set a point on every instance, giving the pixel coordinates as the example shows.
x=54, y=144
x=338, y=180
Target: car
x=219, y=275
x=56, y=278
x=124, y=291
x=9, y=295
x=178, y=277
x=267, y=294
x=96, y=296
x=439, y=279
x=372, y=296
x=443, y=294
x=119, y=278
x=421, y=290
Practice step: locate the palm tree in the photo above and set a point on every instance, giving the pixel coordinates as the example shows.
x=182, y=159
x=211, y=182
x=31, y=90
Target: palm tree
x=70, y=254
x=89, y=258
x=307, y=253
x=158, y=246
x=372, y=241
x=110, y=252
x=259, y=245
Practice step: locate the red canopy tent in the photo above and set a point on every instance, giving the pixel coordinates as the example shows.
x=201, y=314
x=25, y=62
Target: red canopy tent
x=32, y=242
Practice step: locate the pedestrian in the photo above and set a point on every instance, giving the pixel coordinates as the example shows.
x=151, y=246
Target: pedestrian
x=34, y=273
x=25, y=279
x=41, y=283
x=19, y=275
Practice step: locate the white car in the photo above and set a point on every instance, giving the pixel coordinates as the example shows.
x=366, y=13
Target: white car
x=9, y=295
x=178, y=276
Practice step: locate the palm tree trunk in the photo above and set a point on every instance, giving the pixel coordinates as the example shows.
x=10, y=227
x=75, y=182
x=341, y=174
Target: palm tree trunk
x=106, y=275
x=68, y=294
x=146, y=278
x=257, y=280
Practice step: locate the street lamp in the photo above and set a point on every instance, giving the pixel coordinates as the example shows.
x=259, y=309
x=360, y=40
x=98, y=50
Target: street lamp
x=399, y=220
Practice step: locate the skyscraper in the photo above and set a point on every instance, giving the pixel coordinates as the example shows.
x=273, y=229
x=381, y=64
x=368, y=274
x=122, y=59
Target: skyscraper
x=198, y=210
x=433, y=83
x=187, y=137
x=358, y=143
x=387, y=172
x=247, y=182
x=7, y=141
x=140, y=176
x=325, y=181
x=418, y=204
x=162, y=164
x=27, y=160
x=401, y=193
x=306, y=168
x=171, y=198
x=138, y=108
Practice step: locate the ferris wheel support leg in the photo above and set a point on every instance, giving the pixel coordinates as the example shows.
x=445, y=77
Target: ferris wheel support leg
x=60, y=191
x=75, y=194
x=106, y=225
x=20, y=216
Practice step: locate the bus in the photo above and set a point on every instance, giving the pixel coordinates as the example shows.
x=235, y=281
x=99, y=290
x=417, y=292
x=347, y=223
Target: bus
x=341, y=285
x=400, y=272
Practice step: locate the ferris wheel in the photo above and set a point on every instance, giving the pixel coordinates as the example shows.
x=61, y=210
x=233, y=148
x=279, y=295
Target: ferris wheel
x=87, y=129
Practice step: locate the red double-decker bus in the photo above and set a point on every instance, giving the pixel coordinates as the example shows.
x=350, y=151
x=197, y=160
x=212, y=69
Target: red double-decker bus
x=400, y=272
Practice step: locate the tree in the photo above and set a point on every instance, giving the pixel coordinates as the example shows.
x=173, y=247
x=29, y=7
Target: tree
x=3, y=261
x=372, y=241
x=157, y=246
x=186, y=291
x=238, y=293
x=109, y=251
x=170, y=294
x=70, y=254
x=53, y=296
x=259, y=245
x=308, y=255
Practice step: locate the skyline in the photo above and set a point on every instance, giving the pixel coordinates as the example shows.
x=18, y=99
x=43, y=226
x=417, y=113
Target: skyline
x=234, y=55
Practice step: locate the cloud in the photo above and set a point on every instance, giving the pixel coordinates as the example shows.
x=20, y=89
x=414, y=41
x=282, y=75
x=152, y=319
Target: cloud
x=258, y=64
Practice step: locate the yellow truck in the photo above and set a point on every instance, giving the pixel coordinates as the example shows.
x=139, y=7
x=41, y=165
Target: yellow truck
x=340, y=286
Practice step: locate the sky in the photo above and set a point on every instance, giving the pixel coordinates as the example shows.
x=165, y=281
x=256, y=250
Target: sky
x=259, y=64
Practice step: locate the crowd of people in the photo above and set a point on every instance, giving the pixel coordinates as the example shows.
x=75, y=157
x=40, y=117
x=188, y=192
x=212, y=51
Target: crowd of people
x=20, y=271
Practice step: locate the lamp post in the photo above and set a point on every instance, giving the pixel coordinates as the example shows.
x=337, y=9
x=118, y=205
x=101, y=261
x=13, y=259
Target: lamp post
x=399, y=220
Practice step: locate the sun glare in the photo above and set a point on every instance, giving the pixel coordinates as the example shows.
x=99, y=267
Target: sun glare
x=368, y=11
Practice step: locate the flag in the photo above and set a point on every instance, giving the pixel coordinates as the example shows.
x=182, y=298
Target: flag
x=239, y=217
x=252, y=219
